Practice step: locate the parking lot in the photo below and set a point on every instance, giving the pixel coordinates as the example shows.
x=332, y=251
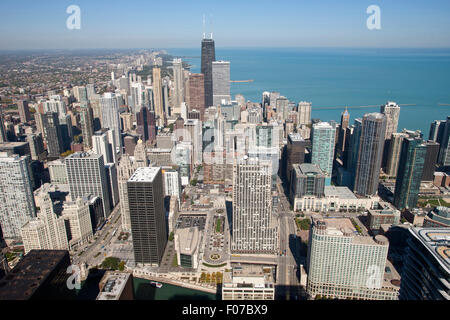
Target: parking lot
x=188, y=221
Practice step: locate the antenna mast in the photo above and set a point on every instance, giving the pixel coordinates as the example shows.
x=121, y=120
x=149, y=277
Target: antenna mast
x=204, y=23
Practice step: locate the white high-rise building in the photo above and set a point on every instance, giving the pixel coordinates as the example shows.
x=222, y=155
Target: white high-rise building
x=104, y=143
x=47, y=230
x=392, y=112
x=254, y=226
x=304, y=113
x=194, y=127
x=343, y=265
x=16, y=194
x=55, y=104
x=125, y=170
x=87, y=176
x=172, y=182
x=77, y=215
x=178, y=92
x=109, y=105
x=221, y=82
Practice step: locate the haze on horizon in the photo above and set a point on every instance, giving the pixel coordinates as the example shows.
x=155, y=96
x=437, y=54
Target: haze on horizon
x=28, y=24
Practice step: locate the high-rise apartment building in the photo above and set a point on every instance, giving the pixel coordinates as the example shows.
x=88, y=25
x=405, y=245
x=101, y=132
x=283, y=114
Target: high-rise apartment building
x=51, y=134
x=16, y=194
x=87, y=124
x=304, y=113
x=395, y=147
x=208, y=56
x=430, y=160
x=295, y=152
x=426, y=268
x=370, y=154
x=147, y=215
x=221, y=82
x=87, y=177
x=392, y=112
x=323, y=141
x=24, y=111
x=409, y=174
x=254, y=226
x=103, y=142
x=343, y=265
x=197, y=93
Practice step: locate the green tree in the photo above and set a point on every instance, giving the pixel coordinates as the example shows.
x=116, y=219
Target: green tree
x=171, y=236
x=111, y=263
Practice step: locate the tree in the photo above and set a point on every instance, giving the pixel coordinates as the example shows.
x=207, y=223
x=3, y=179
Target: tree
x=122, y=265
x=111, y=263
x=171, y=236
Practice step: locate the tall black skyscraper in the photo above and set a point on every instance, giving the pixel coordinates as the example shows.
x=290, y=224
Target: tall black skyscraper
x=208, y=56
x=52, y=134
x=147, y=215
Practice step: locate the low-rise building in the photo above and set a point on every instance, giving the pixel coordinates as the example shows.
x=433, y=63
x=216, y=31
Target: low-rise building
x=382, y=213
x=187, y=242
x=249, y=282
x=116, y=286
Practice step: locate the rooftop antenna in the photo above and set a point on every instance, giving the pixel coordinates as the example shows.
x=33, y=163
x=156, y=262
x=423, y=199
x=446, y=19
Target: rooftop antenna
x=211, y=24
x=204, y=23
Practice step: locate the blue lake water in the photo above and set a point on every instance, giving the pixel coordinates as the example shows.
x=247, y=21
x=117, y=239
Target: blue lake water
x=343, y=77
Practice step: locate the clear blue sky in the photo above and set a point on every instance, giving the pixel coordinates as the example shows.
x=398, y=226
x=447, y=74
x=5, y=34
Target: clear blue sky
x=41, y=24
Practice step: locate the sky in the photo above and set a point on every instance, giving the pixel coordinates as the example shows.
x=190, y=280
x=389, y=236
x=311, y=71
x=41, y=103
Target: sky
x=41, y=24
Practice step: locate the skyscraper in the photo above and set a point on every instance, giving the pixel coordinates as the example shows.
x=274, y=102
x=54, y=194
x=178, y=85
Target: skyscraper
x=221, y=82
x=87, y=124
x=16, y=194
x=295, y=152
x=52, y=134
x=103, y=143
x=208, y=56
x=254, y=226
x=426, y=268
x=430, y=160
x=87, y=176
x=393, y=156
x=345, y=119
x=197, y=93
x=370, y=154
x=178, y=92
x=147, y=215
x=157, y=93
x=304, y=113
x=110, y=117
x=146, y=124
x=392, y=112
x=24, y=111
x=323, y=142
x=409, y=175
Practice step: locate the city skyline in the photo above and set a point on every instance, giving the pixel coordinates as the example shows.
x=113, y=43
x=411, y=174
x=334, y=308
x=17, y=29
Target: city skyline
x=286, y=24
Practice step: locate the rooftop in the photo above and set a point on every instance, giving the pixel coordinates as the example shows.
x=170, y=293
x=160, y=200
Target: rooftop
x=112, y=285
x=437, y=242
x=339, y=192
x=30, y=273
x=144, y=174
x=188, y=239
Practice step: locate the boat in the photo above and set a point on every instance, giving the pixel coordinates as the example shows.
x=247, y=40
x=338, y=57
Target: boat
x=156, y=284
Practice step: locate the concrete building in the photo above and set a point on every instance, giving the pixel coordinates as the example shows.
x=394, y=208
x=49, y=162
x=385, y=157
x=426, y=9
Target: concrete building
x=57, y=171
x=392, y=112
x=51, y=133
x=47, y=230
x=304, y=113
x=370, y=154
x=343, y=265
x=178, y=90
x=221, y=82
x=109, y=104
x=248, y=282
x=172, y=182
x=86, y=175
x=24, y=111
x=157, y=93
x=187, y=244
x=307, y=180
x=147, y=215
x=16, y=196
x=78, y=219
x=382, y=214
x=426, y=269
x=116, y=285
x=335, y=199
x=197, y=93
x=254, y=226
x=395, y=147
